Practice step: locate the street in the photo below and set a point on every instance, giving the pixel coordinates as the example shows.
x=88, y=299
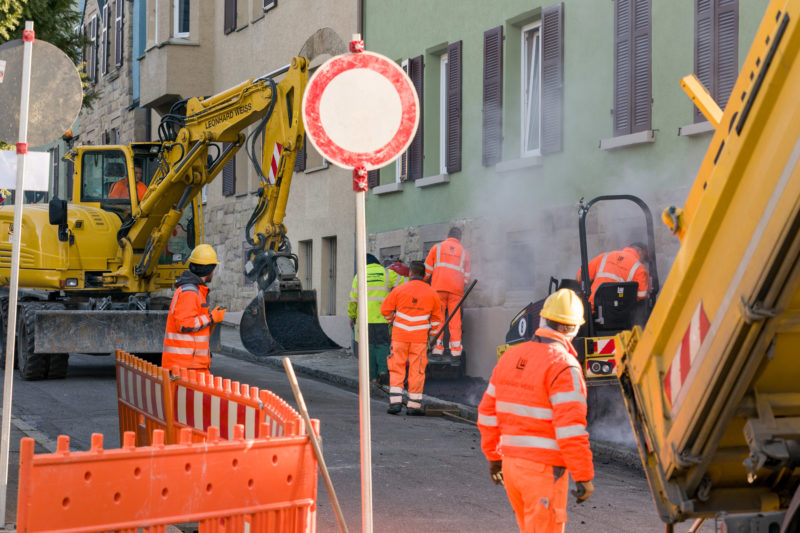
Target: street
x=428, y=473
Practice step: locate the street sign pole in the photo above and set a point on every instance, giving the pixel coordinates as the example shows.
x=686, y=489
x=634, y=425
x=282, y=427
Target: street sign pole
x=19, y=195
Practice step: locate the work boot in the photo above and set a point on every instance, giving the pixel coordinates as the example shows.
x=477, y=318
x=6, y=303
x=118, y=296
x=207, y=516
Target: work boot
x=383, y=378
x=413, y=411
x=395, y=408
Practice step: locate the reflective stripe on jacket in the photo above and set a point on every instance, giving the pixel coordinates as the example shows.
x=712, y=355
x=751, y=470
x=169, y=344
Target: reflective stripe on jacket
x=415, y=311
x=448, y=266
x=618, y=267
x=186, y=339
x=535, y=406
x=380, y=281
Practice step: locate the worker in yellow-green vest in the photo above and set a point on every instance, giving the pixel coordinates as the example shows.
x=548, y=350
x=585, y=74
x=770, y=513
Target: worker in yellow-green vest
x=380, y=281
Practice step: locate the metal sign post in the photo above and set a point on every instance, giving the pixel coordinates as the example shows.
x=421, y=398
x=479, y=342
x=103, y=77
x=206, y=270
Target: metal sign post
x=19, y=194
x=361, y=112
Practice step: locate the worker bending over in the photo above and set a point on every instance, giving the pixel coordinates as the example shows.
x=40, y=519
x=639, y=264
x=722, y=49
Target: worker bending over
x=532, y=420
x=415, y=312
x=448, y=269
x=189, y=322
x=380, y=281
x=620, y=266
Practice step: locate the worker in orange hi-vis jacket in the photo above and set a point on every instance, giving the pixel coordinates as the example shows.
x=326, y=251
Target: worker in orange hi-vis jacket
x=415, y=312
x=532, y=420
x=448, y=269
x=618, y=266
x=188, y=333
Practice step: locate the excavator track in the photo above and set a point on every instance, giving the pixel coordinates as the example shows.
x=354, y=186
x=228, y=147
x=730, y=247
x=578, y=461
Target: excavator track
x=36, y=366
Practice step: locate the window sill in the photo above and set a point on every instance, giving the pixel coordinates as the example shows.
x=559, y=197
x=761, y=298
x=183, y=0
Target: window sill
x=518, y=164
x=256, y=18
x=695, y=129
x=641, y=137
x=387, y=188
x=430, y=181
x=180, y=41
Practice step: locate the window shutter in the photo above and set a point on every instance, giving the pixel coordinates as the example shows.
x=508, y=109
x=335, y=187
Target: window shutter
x=727, y=49
x=56, y=161
x=119, y=7
x=93, y=52
x=552, y=78
x=85, y=53
x=300, y=160
x=453, y=140
x=704, y=47
x=230, y=16
x=106, y=38
x=229, y=175
x=622, y=66
x=415, y=150
x=492, y=95
x=373, y=178
x=642, y=93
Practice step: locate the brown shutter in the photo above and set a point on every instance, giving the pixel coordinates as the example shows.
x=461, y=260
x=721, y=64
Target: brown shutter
x=230, y=16
x=623, y=33
x=492, y=96
x=704, y=47
x=373, y=178
x=727, y=49
x=300, y=160
x=453, y=141
x=229, y=175
x=415, y=151
x=120, y=9
x=552, y=78
x=642, y=80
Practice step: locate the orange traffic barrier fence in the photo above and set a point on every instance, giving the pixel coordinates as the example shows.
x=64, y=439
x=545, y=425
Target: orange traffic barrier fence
x=144, y=398
x=269, y=484
x=203, y=400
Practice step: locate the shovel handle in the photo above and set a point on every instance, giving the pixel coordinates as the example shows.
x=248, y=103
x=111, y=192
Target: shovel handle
x=433, y=339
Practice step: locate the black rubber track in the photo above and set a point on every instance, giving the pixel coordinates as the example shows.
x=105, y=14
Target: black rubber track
x=32, y=366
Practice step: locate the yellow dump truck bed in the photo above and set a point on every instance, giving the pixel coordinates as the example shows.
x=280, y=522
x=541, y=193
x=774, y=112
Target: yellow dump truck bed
x=712, y=383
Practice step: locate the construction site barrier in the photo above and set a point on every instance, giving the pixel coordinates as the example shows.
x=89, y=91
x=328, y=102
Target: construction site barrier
x=262, y=485
x=149, y=399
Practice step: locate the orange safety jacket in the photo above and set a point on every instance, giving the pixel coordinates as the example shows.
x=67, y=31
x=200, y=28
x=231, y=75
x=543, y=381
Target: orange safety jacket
x=119, y=190
x=617, y=267
x=186, y=339
x=415, y=311
x=535, y=406
x=448, y=266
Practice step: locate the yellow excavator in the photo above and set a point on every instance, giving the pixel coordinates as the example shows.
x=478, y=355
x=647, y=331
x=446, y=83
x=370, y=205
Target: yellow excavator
x=90, y=264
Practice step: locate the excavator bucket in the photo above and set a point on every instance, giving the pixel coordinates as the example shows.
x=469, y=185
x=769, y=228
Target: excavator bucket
x=275, y=323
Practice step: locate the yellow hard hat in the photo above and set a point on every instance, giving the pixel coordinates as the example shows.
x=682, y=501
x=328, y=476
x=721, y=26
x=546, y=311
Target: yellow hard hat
x=203, y=254
x=564, y=307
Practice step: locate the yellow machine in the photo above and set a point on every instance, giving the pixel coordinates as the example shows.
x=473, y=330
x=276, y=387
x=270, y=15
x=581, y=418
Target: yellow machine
x=712, y=382
x=89, y=264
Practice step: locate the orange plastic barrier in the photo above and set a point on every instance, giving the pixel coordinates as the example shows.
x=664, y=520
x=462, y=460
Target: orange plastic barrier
x=202, y=400
x=149, y=399
x=144, y=399
x=270, y=484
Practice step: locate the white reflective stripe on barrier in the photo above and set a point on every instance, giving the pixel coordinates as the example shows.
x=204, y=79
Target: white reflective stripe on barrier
x=527, y=441
x=539, y=413
x=571, y=431
x=412, y=318
x=198, y=408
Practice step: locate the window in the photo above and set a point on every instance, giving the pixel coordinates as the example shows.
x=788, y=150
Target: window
x=106, y=39
x=716, y=48
x=119, y=7
x=632, y=76
x=443, y=114
x=56, y=178
x=531, y=70
x=181, y=18
x=269, y=4
x=100, y=170
x=328, y=306
x=230, y=16
x=305, y=263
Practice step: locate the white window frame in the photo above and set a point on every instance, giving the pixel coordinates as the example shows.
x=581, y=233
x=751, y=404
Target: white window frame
x=524, y=100
x=176, y=10
x=443, y=62
x=403, y=159
x=269, y=4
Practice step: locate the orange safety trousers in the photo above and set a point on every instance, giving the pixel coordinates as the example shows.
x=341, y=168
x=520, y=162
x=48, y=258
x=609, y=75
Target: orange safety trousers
x=416, y=354
x=449, y=302
x=539, y=499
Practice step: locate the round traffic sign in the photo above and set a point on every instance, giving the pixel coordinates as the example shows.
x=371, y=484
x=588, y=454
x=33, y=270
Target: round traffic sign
x=360, y=110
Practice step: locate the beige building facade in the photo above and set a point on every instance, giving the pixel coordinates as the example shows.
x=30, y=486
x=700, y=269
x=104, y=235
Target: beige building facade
x=196, y=47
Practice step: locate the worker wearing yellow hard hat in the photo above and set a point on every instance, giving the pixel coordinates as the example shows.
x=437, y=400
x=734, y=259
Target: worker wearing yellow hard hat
x=532, y=420
x=189, y=322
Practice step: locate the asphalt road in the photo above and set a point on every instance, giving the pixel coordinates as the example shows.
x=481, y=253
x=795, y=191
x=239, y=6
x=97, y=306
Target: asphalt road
x=428, y=473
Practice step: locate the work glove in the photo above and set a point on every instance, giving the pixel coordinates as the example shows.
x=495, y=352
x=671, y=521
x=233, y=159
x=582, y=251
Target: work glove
x=217, y=314
x=496, y=471
x=583, y=489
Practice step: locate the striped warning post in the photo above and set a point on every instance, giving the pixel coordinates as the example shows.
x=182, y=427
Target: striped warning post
x=686, y=353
